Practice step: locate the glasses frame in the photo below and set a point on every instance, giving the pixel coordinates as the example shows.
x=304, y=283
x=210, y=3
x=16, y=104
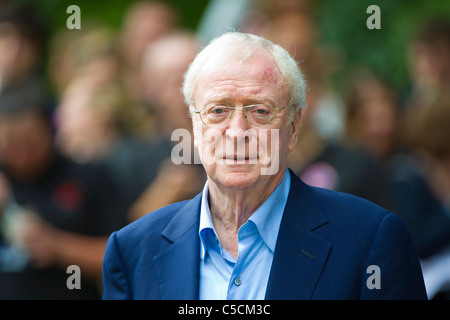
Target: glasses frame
x=276, y=110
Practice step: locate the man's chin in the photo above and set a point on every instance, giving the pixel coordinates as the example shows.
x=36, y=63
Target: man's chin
x=238, y=179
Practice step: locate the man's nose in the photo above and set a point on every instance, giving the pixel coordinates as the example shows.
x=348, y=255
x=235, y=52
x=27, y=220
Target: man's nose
x=236, y=130
x=238, y=120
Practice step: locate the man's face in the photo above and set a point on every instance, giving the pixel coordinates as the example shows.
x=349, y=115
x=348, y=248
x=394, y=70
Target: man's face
x=25, y=145
x=241, y=155
x=18, y=55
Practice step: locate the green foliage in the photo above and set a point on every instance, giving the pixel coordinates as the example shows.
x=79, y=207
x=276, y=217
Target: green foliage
x=110, y=12
x=343, y=25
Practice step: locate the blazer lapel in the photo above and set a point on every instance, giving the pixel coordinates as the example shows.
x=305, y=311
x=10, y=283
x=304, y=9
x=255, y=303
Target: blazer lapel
x=299, y=254
x=177, y=266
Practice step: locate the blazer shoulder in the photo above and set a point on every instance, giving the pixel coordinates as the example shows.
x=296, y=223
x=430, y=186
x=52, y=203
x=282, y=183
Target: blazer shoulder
x=339, y=205
x=151, y=224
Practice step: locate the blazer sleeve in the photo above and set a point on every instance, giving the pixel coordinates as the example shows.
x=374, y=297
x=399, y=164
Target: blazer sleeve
x=393, y=269
x=115, y=282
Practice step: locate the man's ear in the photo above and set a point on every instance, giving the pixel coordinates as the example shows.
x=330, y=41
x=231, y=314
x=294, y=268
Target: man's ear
x=194, y=125
x=195, y=140
x=295, y=127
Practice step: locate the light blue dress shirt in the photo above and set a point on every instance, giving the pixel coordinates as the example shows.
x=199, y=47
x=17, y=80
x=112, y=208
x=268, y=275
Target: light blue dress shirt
x=222, y=277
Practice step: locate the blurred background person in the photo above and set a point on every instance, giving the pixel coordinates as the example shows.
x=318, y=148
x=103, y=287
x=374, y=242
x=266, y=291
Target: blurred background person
x=92, y=127
x=88, y=119
x=359, y=164
x=164, y=64
x=90, y=51
x=63, y=211
x=421, y=179
x=143, y=23
x=419, y=172
x=428, y=62
x=93, y=55
x=22, y=45
x=373, y=116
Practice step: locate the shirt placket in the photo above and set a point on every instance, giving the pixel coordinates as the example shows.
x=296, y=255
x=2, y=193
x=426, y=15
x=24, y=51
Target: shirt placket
x=246, y=241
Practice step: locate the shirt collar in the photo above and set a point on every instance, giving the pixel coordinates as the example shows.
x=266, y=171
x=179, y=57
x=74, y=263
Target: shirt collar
x=267, y=217
x=205, y=220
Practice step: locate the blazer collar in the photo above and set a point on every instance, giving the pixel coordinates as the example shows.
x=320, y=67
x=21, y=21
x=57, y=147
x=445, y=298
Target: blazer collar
x=299, y=253
x=178, y=265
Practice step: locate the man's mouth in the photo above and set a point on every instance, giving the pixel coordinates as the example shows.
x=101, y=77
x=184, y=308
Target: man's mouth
x=240, y=159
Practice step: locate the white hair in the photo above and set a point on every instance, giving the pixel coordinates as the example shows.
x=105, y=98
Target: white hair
x=243, y=45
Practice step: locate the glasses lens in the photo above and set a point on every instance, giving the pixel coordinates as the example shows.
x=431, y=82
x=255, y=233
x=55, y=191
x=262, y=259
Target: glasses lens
x=259, y=115
x=219, y=116
x=215, y=116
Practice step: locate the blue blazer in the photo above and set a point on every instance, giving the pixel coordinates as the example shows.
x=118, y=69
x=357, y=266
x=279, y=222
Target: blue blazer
x=326, y=243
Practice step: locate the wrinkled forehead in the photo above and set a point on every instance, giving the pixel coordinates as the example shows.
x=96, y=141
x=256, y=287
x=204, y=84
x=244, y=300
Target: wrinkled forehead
x=240, y=58
x=255, y=69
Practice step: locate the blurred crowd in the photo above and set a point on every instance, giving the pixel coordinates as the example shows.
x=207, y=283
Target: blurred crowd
x=86, y=118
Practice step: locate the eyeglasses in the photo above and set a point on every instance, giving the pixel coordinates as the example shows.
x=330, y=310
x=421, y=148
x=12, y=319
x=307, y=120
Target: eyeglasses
x=257, y=115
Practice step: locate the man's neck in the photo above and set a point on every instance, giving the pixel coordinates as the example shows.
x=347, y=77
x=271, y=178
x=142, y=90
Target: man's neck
x=230, y=209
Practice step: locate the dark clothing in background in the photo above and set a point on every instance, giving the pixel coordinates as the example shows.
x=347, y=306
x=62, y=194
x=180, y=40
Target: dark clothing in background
x=427, y=218
x=134, y=164
x=73, y=197
x=350, y=170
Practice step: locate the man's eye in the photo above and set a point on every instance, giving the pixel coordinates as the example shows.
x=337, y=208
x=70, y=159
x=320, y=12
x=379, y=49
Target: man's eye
x=260, y=111
x=217, y=111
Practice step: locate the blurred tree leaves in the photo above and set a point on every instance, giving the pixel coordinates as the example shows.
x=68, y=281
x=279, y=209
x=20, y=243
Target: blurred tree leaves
x=110, y=12
x=343, y=25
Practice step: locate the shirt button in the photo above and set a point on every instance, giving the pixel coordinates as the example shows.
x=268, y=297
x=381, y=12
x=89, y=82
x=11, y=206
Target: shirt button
x=237, y=282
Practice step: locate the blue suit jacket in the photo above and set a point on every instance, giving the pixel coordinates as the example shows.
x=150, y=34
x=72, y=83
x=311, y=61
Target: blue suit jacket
x=327, y=241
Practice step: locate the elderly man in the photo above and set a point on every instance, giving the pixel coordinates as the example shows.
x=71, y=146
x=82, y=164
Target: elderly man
x=257, y=231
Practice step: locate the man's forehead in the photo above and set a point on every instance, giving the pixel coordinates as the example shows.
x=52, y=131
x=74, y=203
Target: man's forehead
x=260, y=63
x=255, y=70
